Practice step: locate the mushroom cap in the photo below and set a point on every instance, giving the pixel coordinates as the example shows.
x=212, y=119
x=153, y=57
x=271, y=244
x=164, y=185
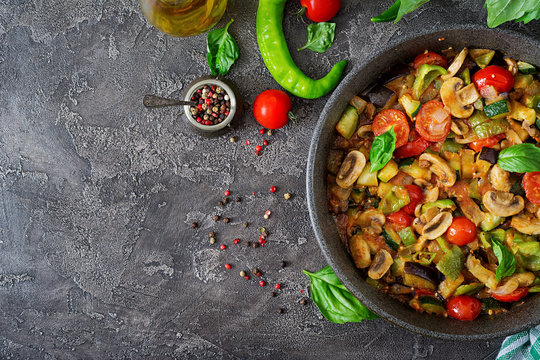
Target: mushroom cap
x=439, y=166
x=437, y=226
x=458, y=99
x=501, y=203
x=526, y=223
x=380, y=265
x=350, y=169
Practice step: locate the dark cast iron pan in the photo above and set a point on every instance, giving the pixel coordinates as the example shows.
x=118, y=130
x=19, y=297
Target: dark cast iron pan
x=361, y=76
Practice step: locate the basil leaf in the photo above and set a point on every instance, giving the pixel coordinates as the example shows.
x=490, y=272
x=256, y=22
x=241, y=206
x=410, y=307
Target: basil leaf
x=408, y=6
x=500, y=11
x=320, y=36
x=334, y=301
x=507, y=262
x=520, y=158
x=222, y=50
x=382, y=149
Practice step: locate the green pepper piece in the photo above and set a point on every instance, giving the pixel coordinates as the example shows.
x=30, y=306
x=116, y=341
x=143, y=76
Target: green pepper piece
x=477, y=118
x=468, y=289
x=483, y=60
x=278, y=60
x=441, y=204
x=407, y=236
x=426, y=74
x=451, y=146
x=389, y=14
x=466, y=76
x=452, y=262
x=492, y=128
x=394, y=200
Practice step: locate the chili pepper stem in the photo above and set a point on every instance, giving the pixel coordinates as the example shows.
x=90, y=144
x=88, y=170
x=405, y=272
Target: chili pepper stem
x=291, y=116
x=300, y=12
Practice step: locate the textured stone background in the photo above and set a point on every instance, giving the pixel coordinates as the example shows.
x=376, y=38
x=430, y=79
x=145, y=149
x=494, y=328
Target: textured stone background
x=97, y=255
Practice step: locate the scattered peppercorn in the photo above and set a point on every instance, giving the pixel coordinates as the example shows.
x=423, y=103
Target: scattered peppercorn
x=247, y=142
x=216, y=218
x=248, y=243
x=303, y=301
x=287, y=196
x=236, y=241
x=227, y=193
x=270, y=132
x=232, y=139
x=227, y=266
x=237, y=200
x=258, y=148
x=225, y=200
x=247, y=277
x=226, y=220
x=282, y=264
x=220, y=203
x=222, y=246
x=265, y=142
x=211, y=234
x=262, y=283
x=280, y=311
x=259, y=274
x=242, y=273
x=278, y=286
x=255, y=245
x=273, y=294
x=212, y=240
x=262, y=131
x=194, y=225
x=273, y=189
x=254, y=271
x=245, y=224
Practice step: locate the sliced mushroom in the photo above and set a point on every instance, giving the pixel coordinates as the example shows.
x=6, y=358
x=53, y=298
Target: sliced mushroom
x=481, y=273
x=439, y=166
x=512, y=65
x=437, y=226
x=458, y=99
x=380, y=265
x=431, y=195
x=460, y=127
x=531, y=130
x=350, y=169
x=500, y=179
x=360, y=251
x=371, y=221
x=526, y=223
x=456, y=64
x=363, y=130
x=501, y=203
x=513, y=282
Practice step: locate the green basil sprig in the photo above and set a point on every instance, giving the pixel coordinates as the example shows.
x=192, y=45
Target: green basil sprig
x=507, y=262
x=222, y=50
x=334, y=301
x=382, y=149
x=520, y=158
x=500, y=11
x=320, y=37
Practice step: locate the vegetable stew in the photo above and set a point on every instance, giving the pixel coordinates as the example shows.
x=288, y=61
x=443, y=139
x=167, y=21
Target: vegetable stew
x=434, y=180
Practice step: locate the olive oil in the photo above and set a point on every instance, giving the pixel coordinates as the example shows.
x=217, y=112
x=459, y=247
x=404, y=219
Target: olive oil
x=183, y=17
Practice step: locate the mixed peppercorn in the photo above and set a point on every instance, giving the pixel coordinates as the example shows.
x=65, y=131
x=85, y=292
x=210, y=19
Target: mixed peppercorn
x=214, y=105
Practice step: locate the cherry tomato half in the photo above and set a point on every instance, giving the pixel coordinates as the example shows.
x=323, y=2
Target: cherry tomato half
x=386, y=119
x=531, y=184
x=415, y=196
x=271, y=109
x=515, y=295
x=400, y=218
x=412, y=148
x=321, y=10
x=433, y=121
x=501, y=79
x=430, y=58
x=487, y=142
x=462, y=231
x=464, y=307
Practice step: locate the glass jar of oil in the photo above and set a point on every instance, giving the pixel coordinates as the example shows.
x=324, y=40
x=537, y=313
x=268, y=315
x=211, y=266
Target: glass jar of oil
x=183, y=17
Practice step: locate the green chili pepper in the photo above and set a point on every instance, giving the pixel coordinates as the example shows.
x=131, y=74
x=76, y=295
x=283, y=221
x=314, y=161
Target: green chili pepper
x=426, y=74
x=466, y=76
x=453, y=260
x=390, y=14
x=394, y=200
x=278, y=60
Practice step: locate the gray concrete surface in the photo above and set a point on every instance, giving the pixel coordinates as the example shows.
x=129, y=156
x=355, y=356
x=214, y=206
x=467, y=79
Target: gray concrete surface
x=97, y=255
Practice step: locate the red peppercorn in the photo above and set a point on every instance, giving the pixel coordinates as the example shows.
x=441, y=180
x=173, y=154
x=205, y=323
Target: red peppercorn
x=258, y=153
x=258, y=274
x=199, y=119
x=222, y=247
x=278, y=286
x=247, y=142
x=254, y=193
x=213, y=87
x=236, y=241
x=302, y=291
x=227, y=266
x=265, y=142
x=258, y=148
x=262, y=131
x=227, y=193
x=214, y=115
x=262, y=241
x=247, y=277
x=199, y=106
x=273, y=189
x=199, y=91
x=208, y=101
x=262, y=283
x=226, y=113
x=193, y=98
x=210, y=93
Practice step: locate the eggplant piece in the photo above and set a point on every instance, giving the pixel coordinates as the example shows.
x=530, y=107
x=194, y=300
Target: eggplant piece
x=397, y=71
x=422, y=271
x=379, y=95
x=489, y=155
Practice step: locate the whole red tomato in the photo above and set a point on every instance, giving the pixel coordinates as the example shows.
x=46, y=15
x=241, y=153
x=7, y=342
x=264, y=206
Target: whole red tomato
x=464, y=307
x=498, y=77
x=321, y=10
x=461, y=232
x=272, y=109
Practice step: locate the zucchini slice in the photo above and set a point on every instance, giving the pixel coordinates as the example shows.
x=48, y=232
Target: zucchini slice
x=526, y=68
x=497, y=109
x=346, y=126
x=410, y=105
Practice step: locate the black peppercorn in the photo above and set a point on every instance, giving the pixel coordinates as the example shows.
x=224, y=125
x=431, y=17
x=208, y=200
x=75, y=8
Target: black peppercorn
x=255, y=245
x=254, y=271
x=273, y=294
x=211, y=234
x=237, y=200
x=194, y=225
x=226, y=220
x=216, y=218
x=282, y=264
x=303, y=301
x=248, y=243
x=280, y=311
